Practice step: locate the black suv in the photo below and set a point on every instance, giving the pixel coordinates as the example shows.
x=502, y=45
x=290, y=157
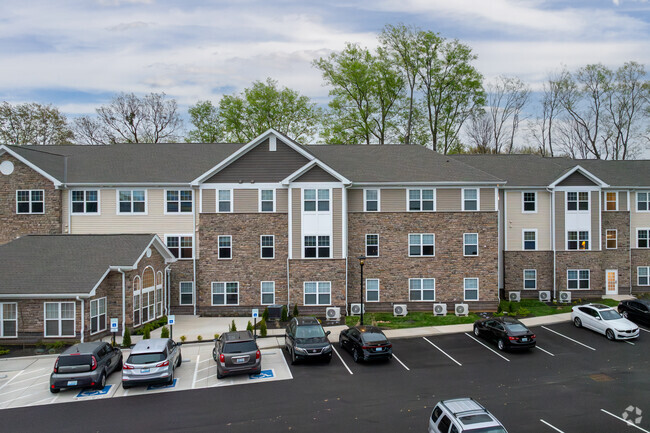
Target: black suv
x=305, y=339
x=85, y=365
x=236, y=352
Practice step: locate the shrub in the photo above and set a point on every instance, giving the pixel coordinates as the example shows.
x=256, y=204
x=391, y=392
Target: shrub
x=523, y=312
x=295, y=311
x=265, y=314
x=183, y=338
x=249, y=327
x=199, y=338
x=233, y=327
x=511, y=307
x=499, y=308
x=263, y=328
x=284, y=315
x=164, y=332
x=3, y=351
x=147, y=333
x=126, y=339
x=216, y=336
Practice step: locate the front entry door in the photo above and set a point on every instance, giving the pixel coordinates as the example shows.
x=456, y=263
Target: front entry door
x=612, y=282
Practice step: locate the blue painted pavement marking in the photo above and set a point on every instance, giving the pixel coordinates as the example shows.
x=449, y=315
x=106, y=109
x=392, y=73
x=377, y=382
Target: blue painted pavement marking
x=94, y=392
x=152, y=387
x=264, y=374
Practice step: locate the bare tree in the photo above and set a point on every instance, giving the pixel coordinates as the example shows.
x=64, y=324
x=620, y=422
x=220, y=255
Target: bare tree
x=542, y=128
x=479, y=133
x=570, y=139
x=507, y=97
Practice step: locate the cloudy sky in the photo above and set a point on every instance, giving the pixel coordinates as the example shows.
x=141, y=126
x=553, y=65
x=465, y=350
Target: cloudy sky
x=76, y=54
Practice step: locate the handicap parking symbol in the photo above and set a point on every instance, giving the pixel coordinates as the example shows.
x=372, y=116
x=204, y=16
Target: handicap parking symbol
x=94, y=392
x=264, y=374
x=153, y=387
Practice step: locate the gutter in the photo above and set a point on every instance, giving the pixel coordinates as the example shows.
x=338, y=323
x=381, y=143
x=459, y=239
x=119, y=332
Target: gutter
x=82, y=318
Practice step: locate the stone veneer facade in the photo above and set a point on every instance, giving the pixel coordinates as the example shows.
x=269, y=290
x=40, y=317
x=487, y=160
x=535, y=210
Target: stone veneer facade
x=516, y=261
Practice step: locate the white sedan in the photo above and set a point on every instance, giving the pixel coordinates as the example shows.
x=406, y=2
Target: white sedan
x=605, y=320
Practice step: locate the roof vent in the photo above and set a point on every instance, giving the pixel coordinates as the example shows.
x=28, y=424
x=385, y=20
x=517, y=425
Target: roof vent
x=272, y=144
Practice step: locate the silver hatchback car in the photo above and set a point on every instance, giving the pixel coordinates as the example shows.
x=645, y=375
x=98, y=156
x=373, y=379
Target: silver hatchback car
x=151, y=361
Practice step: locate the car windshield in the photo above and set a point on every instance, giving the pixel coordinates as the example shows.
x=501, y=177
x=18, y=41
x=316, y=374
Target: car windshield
x=516, y=327
x=239, y=347
x=373, y=337
x=495, y=429
x=309, y=331
x=145, y=358
x=73, y=360
x=609, y=315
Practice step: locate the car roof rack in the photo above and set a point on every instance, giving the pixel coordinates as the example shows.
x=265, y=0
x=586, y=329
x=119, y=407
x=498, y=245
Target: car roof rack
x=479, y=409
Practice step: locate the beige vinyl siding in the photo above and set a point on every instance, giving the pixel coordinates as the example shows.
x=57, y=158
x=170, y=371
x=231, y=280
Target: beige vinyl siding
x=154, y=222
x=245, y=201
x=393, y=200
x=65, y=210
x=487, y=199
x=517, y=220
x=281, y=200
x=559, y=221
x=448, y=200
x=208, y=201
x=355, y=200
x=595, y=220
x=337, y=223
x=622, y=200
x=637, y=219
x=296, y=223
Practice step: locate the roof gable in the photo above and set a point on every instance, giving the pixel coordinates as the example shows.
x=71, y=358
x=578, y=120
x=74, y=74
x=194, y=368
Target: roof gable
x=578, y=176
x=316, y=174
x=576, y=179
x=37, y=160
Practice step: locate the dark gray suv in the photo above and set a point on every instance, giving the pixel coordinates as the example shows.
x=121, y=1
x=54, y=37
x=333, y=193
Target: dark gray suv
x=236, y=352
x=85, y=365
x=305, y=338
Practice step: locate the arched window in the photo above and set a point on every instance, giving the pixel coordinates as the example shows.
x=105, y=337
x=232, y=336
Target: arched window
x=160, y=294
x=136, y=300
x=148, y=294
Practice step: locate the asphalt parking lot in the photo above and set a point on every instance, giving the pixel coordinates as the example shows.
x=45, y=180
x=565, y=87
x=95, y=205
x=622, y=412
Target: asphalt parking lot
x=575, y=381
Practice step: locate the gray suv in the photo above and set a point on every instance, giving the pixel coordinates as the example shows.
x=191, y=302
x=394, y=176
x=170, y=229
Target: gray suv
x=236, y=352
x=85, y=365
x=305, y=338
x=152, y=361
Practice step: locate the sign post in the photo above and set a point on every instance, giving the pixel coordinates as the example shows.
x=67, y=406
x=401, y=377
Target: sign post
x=115, y=324
x=256, y=314
x=171, y=319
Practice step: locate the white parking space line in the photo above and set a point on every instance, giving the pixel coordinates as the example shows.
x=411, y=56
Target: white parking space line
x=41, y=401
x=545, y=351
x=568, y=338
x=203, y=369
x=344, y=364
x=629, y=342
x=630, y=423
x=196, y=370
x=287, y=365
x=403, y=365
x=643, y=329
x=551, y=426
x=34, y=371
x=11, y=380
x=443, y=352
x=31, y=378
x=488, y=348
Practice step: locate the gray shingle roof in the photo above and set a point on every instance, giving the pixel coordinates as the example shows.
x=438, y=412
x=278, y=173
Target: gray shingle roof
x=62, y=264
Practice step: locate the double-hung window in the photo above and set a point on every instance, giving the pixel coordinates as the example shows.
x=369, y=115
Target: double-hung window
x=186, y=293
x=85, y=202
x=471, y=289
x=267, y=246
x=643, y=238
x=268, y=292
x=470, y=244
x=422, y=245
x=97, y=315
x=611, y=240
x=178, y=201
x=316, y=200
x=421, y=200
x=371, y=200
x=372, y=290
x=225, y=247
x=267, y=200
x=30, y=201
x=422, y=289
x=529, y=202
x=317, y=247
x=577, y=201
x=643, y=201
x=611, y=200
x=578, y=240
x=224, y=200
x=372, y=245
x=8, y=320
x=318, y=293
x=180, y=246
x=132, y=201
x=578, y=279
x=530, y=279
x=529, y=239
x=225, y=293
x=643, y=275
x=59, y=319
x=470, y=199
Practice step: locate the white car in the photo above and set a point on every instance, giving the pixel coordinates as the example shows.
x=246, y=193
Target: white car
x=463, y=415
x=605, y=320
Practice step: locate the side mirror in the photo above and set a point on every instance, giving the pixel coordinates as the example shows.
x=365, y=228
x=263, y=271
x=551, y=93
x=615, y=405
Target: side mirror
x=328, y=333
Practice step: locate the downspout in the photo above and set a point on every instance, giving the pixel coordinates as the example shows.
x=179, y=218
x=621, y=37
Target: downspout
x=629, y=213
x=345, y=241
x=288, y=296
x=82, y=318
x=346, y=285
x=194, y=253
x=65, y=184
x=290, y=240
x=553, y=234
x=168, y=299
x=123, y=300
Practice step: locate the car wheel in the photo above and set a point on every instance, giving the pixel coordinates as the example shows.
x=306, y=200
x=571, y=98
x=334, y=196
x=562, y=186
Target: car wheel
x=477, y=332
x=214, y=354
x=341, y=343
x=102, y=381
x=120, y=364
x=624, y=314
x=610, y=335
x=577, y=322
x=54, y=390
x=180, y=360
x=501, y=345
x=355, y=355
x=125, y=385
x=293, y=357
x=171, y=378
x=219, y=375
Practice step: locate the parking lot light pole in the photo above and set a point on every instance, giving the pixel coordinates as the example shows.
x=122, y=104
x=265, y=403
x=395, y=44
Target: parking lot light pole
x=362, y=260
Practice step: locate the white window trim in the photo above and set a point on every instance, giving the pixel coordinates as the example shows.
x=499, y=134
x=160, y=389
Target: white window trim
x=524, y=279
x=45, y=319
x=2, y=319
x=378, y=199
x=636, y=201
x=408, y=199
x=90, y=316
x=577, y=191
x=331, y=247
x=180, y=292
x=179, y=235
x=605, y=207
x=616, y=233
x=422, y=289
x=478, y=292
x=366, y=244
x=99, y=202
x=179, y=202
x=259, y=201
x=219, y=248
x=139, y=294
x=464, y=244
x=30, y=202
x=408, y=240
x=318, y=283
x=478, y=200
x=523, y=193
x=316, y=211
x=637, y=237
x=232, y=200
x=262, y=293
x=117, y=202
x=638, y=276
x=225, y=293
x=378, y=289
x=578, y=271
x=146, y=291
x=523, y=239
x=566, y=235
x=261, y=247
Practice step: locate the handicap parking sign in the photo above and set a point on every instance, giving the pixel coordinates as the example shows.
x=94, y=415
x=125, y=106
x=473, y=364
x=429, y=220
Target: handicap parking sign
x=153, y=387
x=264, y=374
x=94, y=392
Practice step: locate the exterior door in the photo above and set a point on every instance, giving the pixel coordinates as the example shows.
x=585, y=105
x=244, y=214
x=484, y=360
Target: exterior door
x=612, y=281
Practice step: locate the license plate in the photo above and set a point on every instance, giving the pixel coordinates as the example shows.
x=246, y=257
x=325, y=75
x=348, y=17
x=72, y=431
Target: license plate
x=524, y=339
x=240, y=360
x=379, y=349
x=72, y=383
x=145, y=370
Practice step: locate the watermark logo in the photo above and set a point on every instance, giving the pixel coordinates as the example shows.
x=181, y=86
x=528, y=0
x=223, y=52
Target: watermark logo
x=632, y=414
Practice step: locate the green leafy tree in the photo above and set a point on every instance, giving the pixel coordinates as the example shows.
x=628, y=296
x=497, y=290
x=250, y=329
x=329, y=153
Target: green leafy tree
x=249, y=326
x=263, y=330
x=284, y=315
x=205, y=119
x=126, y=338
x=33, y=124
x=233, y=326
x=164, y=332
